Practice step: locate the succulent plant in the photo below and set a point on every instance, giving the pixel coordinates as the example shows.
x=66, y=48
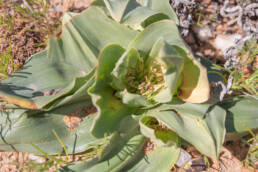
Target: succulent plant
x=127, y=59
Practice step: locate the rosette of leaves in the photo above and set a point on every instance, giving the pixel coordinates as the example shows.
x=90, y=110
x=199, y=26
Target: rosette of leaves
x=126, y=58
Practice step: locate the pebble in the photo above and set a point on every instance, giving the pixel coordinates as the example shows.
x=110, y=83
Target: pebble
x=207, y=2
x=203, y=33
x=223, y=42
x=190, y=39
x=219, y=27
x=209, y=52
x=36, y=158
x=197, y=164
x=64, y=5
x=183, y=158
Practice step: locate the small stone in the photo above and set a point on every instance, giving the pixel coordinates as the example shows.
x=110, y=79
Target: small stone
x=203, y=33
x=36, y=158
x=207, y=1
x=148, y=148
x=219, y=27
x=223, y=42
x=72, y=122
x=225, y=153
x=256, y=165
x=225, y=19
x=197, y=164
x=190, y=39
x=191, y=149
x=183, y=158
x=208, y=52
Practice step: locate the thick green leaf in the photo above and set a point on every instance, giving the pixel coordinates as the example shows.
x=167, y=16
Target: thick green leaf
x=133, y=100
x=165, y=29
x=195, y=110
x=77, y=94
x=160, y=159
x=38, y=82
x=206, y=132
x=215, y=76
x=118, y=159
x=141, y=17
x=129, y=61
x=101, y=4
x=117, y=9
x=110, y=109
x=20, y=128
x=172, y=62
x=241, y=113
x=131, y=158
x=161, y=6
x=161, y=136
x=82, y=41
x=195, y=84
x=125, y=152
x=138, y=13
x=124, y=146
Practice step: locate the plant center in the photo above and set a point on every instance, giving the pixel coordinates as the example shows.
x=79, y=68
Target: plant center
x=146, y=81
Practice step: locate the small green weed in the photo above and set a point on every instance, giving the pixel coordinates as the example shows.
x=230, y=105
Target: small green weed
x=243, y=79
x=52, y=160
x=245, y=74
x=6, y=63
x=32, y=11
x=200, y=15
x=57, y=161
x=37, y=11
x=252, y=154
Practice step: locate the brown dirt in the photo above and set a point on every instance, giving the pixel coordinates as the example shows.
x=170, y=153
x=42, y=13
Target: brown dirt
x=25, y=33
x=148, y=147
x=72, y=121
x=28, y=34
x=12, y=161
x=212, y=22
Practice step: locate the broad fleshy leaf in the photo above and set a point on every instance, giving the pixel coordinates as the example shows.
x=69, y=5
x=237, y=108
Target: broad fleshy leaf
x=88, y=38
x=161, y=6
x=161, y=136
x=119, y=150
x=216, y=78
x=110, y=109
x=38, y=82
x=132, y=159
x=20, y=128
x=78, y=93
x=125, y=152
x=122, y=153
x=208, y=127
x=137, y=14
x=172, y=61
x=195, y=84
x=195, y=110
x=160, y=159
x=241, y=113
